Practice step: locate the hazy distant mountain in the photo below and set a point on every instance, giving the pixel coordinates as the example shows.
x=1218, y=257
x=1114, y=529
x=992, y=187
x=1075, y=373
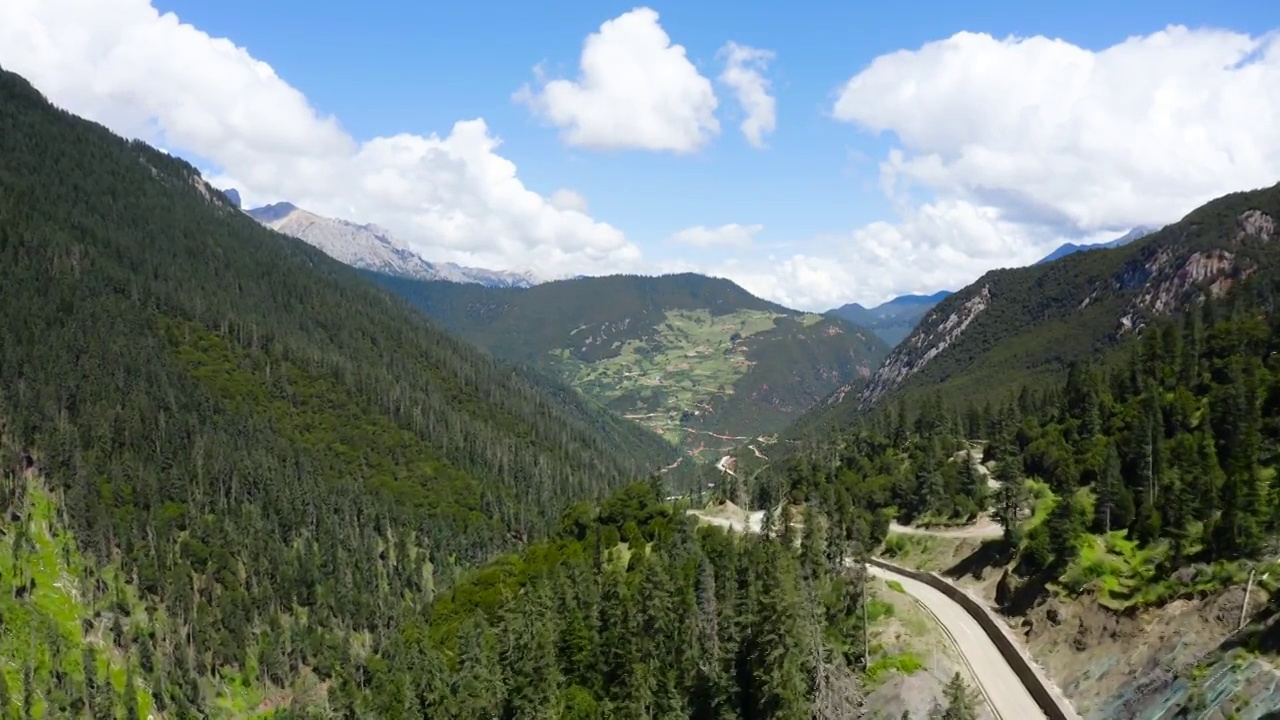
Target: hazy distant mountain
x=370, y=247
x=1069, y=248
x=233, y=195
x=893, y=320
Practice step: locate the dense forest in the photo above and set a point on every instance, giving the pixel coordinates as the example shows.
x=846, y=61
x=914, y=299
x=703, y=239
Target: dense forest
x=1149, y=476
x=252, y=446
x=238, y=479
x=1024, y=326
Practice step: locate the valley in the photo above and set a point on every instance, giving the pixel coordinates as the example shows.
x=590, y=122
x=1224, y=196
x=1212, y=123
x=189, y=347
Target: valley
x=263, y=462
x=698, y=360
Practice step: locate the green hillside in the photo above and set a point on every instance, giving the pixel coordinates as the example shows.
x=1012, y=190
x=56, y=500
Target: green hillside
x=231, y=464
x=697, y=359
x=1021, y=326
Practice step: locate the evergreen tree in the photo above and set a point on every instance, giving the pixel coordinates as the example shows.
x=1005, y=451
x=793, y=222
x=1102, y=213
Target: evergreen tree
x=477, y=687
x=779, y=666
x=1010, y=497
x=961, y=702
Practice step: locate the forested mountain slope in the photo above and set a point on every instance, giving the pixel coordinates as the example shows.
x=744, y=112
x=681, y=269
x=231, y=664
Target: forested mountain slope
x=1025, y=325
x=1138, y=499
x=281, y=459
x=699, y=360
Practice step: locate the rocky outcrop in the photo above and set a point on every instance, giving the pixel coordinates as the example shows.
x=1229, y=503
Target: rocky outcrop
x=924, y=344
x=1169, y=280
x=1255, y=225
x=370, y=247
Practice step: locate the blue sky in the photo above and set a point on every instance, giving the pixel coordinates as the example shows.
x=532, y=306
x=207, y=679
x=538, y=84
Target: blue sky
x=969, y=197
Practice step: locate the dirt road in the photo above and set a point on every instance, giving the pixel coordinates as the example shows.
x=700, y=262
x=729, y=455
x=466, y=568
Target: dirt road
x=983, y=528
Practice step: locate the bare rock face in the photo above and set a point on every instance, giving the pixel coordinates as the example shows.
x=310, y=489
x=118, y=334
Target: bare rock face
x=1255, y=225
x=923, y=345
x=373, y=248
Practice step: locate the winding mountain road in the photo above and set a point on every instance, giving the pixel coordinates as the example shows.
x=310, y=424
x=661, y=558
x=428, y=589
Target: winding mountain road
x=1000, y=686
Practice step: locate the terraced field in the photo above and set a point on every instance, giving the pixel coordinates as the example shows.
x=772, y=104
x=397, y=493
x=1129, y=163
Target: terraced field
x=684, y=372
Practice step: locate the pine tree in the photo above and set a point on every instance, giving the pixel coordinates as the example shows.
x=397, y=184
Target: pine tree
x=1010, y=496
x=961, y=703
x=477, y=688
x=529, y=657
x=1109, y=486
x=131, y=711
x=779, y=673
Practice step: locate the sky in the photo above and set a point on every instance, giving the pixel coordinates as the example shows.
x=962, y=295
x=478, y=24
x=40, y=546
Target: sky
x=815, y=153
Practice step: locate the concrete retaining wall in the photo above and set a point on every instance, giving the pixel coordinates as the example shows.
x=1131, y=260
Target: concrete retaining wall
x=1045, y=699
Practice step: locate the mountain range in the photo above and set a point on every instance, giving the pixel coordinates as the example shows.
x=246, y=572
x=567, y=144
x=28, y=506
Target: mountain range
x=223, y=451
x=370, y=247
x=892, y=320
x=697, y=359
x=240, y=477
x=1070, y=248
x=1024, y=325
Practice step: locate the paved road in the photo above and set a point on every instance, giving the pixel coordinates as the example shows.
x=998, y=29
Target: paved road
x=1001, y=687
x=1007, y=697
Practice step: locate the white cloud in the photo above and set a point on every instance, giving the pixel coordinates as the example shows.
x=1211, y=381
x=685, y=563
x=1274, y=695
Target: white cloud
x=744, y=74
x=147, y=75
x=938, y=245
x=566, y=199
x=1138, y=133
x=732, y=234
x=1006, y=148
x=636, y=90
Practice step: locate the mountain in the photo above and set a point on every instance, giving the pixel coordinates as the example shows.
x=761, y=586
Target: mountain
x=232, y=470
x=1021, y=325
x=233, y=196
x=697, y=359
x=370, y=247
x=893, y=320
x=1069, y=248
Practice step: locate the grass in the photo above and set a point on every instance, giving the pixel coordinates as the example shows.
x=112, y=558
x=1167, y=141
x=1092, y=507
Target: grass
x=1125, y=575
x=54, y=612
x=1042, y=500
x=57, y=613
x=905, y=663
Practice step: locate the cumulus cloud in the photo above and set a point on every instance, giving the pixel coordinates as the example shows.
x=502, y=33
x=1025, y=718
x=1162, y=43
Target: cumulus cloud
x=732, y=235
x=145, y=74
x=744, y=69
x=1137, y=133
x=636, y=90
x=1004, y=148
x=566, y=199
x=938, y=245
